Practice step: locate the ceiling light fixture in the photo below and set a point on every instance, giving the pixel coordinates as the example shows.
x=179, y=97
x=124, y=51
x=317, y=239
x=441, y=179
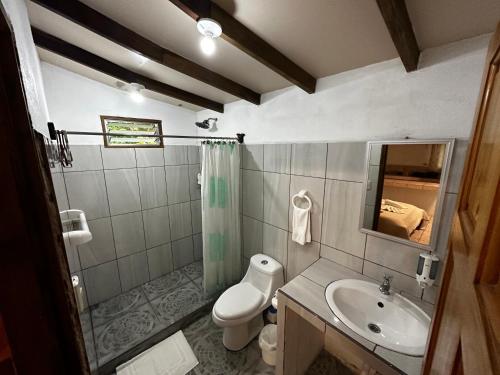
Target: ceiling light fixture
x=134, y=90
x=210, y=30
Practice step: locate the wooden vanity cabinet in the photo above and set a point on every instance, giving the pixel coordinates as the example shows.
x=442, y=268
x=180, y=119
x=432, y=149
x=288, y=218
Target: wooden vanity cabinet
x=302, y=335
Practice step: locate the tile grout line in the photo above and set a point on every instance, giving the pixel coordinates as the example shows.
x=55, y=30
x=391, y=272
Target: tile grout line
x=142, y=216
x=168, y=210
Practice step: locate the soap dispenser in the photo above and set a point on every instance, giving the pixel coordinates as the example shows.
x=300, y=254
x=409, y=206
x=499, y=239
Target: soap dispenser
x=427, y=269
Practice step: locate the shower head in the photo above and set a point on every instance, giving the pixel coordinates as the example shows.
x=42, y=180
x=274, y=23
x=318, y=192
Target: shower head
x=205, y=124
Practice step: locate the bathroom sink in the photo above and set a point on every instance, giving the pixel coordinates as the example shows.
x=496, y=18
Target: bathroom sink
x=391, y=321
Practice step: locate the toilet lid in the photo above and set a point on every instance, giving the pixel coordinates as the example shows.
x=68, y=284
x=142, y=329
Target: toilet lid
x=238, y=301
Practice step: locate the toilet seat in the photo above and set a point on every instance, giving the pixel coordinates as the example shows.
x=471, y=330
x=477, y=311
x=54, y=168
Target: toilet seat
x=239, y=301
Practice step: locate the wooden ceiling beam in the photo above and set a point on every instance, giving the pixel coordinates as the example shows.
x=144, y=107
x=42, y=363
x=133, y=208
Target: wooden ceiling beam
x=246, y=40
x=81, y=56
x=398, y=23
x=91, y=19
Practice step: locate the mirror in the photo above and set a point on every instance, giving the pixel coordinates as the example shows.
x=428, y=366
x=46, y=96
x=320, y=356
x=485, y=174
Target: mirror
x=404, y=190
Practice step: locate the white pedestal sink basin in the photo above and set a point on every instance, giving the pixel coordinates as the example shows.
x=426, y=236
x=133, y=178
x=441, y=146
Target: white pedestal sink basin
x=389, y=321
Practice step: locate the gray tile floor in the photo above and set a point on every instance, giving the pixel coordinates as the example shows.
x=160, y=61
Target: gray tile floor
x=124, y=321
x=112, y=327
x=205, y=339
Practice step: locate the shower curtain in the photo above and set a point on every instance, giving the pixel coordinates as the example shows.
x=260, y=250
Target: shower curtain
x=220, y=215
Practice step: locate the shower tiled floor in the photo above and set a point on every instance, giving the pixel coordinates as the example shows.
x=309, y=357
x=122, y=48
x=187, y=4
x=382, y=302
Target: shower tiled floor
x=112, y=327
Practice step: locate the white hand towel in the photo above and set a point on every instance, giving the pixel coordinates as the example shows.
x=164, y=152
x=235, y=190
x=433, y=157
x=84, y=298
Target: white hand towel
x=301, y=222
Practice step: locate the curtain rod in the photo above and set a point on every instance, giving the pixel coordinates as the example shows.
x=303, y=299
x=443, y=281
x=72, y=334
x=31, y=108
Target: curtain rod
x=53, y=134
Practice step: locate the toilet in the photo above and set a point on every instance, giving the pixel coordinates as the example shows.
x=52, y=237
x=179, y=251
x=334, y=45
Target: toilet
x=239, y=309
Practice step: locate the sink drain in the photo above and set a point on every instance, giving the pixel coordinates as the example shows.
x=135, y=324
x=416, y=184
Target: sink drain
x=374, y=328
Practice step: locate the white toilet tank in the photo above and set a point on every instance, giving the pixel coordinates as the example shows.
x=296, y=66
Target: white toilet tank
x=266, y=274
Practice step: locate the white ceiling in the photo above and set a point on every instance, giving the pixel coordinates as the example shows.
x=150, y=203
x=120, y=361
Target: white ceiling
x=322, y=36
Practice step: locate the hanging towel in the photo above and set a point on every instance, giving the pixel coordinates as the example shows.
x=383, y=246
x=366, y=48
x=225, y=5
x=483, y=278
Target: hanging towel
x=301, y=220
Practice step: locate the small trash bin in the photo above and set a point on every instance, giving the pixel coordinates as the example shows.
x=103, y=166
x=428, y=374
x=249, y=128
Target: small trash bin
x=268, y=342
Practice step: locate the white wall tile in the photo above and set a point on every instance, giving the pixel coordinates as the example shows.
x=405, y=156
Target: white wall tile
x=253, y=194
x=194, y=187
x=156, y=226
x=252, y=236
x=122, y=186
x=87, y=192
x=300, y=257
x=342, y=258
x=196, y=216
x=160, y=260
x=60, y=191
x=152, y=187
x=175, y=155
x=177, y=184
x=128, y=233
x=277, y=158
x=392, y=255
x=341, y=217
x=276, y=198
x=252, y=157
x=102, y=282
x=118, y=158
x=101, y=248
x=309, y=159
x=133, y=270
x=275, y=243
x=193, y=154
x=198, y=246
x=182, y=252
x=149, y=157
x=346, y=161
x=180, y=220
x=85, y=158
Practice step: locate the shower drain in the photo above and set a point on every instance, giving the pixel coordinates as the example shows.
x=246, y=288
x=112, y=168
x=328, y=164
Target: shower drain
x=374, y=328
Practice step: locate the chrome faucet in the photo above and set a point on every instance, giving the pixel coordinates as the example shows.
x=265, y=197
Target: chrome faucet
x=385, y=287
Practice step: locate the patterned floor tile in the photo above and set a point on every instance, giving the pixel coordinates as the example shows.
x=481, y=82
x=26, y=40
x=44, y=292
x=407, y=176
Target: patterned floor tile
x=193, y=270
x=199, y=282
x=179, y=303
x=117, y=306
x=88, y=338
x=206, y=340
x=123, y=333
x=164, y=284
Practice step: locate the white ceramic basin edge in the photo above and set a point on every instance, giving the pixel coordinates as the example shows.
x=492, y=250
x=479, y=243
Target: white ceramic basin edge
x=393, y=322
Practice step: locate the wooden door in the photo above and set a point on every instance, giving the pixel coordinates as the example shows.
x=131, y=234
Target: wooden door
x=465, y=337
x=40, y=331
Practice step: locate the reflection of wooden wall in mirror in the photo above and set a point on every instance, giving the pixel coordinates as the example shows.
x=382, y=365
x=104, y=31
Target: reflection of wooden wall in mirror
x=416, y=161
x=403, y=191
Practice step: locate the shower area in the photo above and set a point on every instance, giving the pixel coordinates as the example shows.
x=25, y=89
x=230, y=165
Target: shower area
x=141, y=276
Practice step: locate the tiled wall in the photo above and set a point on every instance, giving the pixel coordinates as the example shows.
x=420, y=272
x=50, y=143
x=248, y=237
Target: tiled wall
x=333, y=174
x=144, y=211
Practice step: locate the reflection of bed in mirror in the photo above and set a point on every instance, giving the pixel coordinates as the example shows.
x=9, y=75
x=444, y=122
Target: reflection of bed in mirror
x=403, y=220
x=404, y=190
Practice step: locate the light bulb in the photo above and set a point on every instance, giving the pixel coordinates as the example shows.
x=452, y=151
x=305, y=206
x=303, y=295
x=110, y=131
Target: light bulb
x=136, y=96
x=207, y=45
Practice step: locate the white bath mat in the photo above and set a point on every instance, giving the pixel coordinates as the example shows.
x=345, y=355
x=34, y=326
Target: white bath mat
x=172, y=356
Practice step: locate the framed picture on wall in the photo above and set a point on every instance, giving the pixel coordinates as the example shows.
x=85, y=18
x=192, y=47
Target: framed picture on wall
x=131, y=132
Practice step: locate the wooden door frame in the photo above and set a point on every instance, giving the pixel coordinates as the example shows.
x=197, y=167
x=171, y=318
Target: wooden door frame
x=37, y=303
x=484, y=270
